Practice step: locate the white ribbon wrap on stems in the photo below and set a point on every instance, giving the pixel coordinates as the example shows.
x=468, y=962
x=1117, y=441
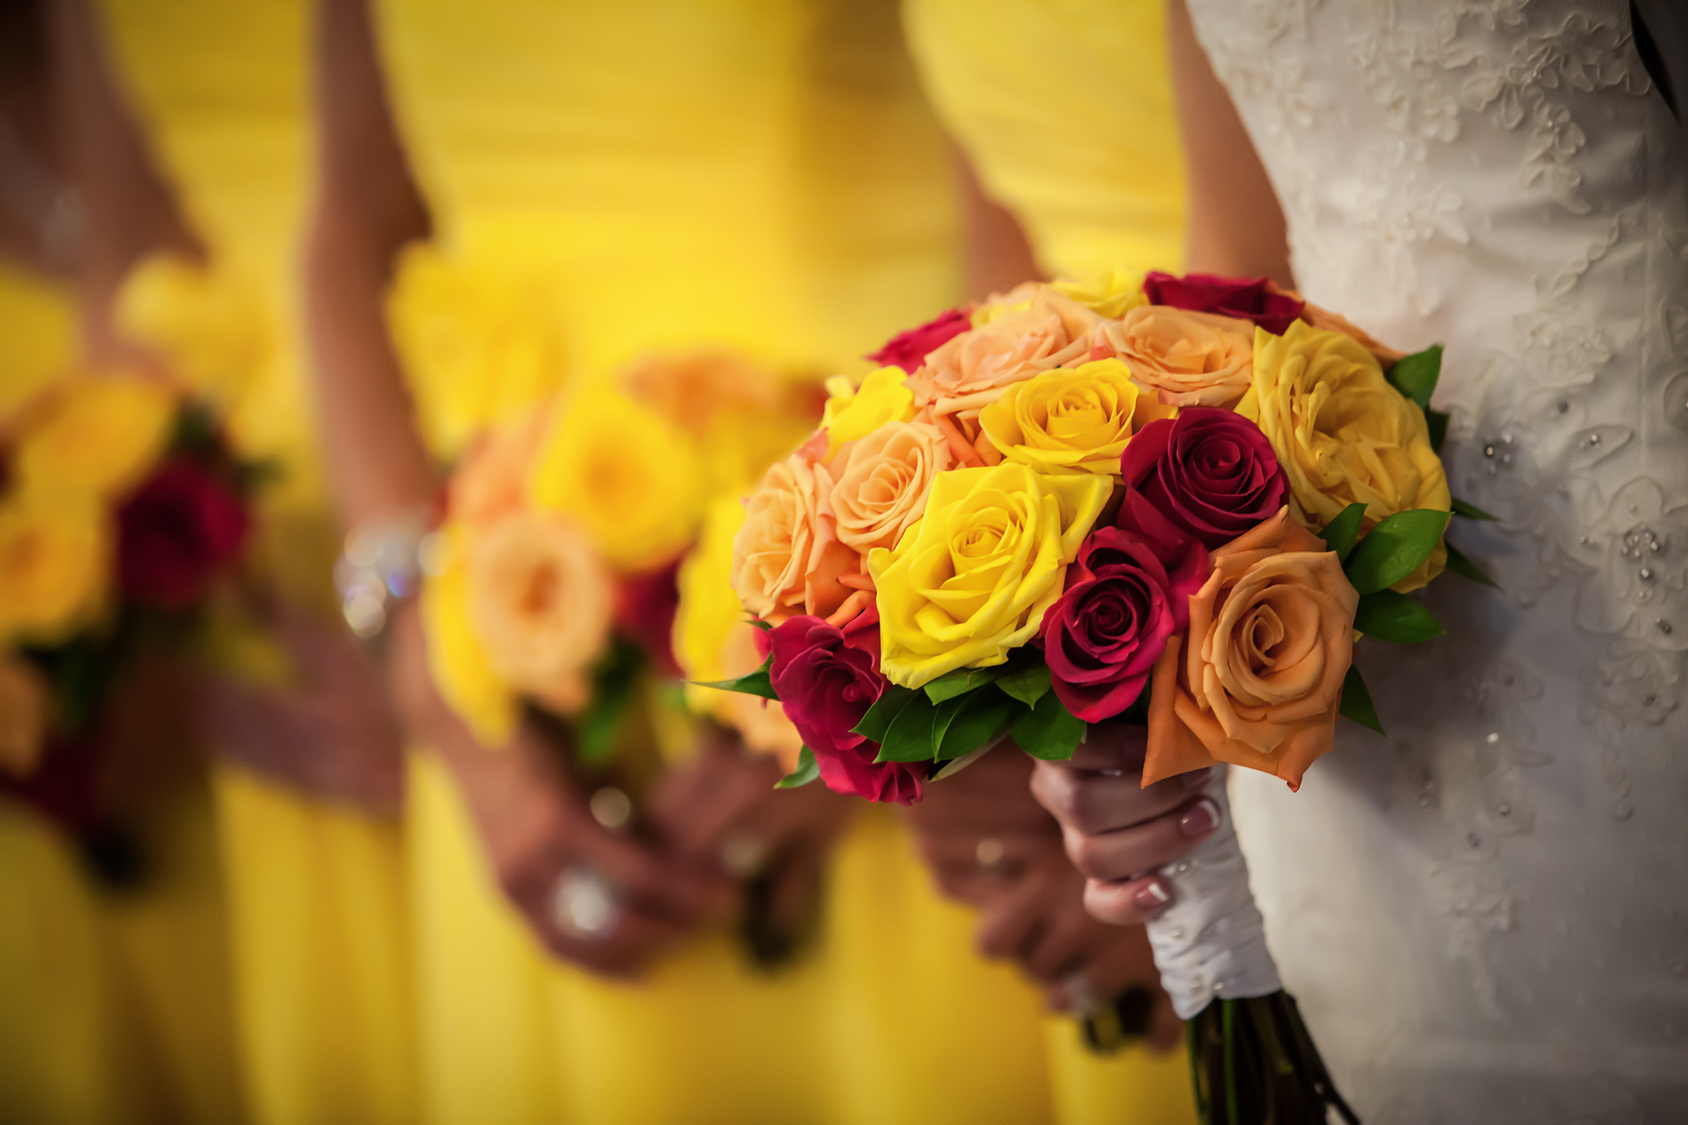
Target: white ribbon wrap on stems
x=1210, y=943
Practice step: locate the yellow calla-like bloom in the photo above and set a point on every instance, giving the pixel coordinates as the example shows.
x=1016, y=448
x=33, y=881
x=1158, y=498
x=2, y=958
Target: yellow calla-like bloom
x=98, y=436
x=853, y=413
x=627, y=475
x=1111, y=294
x=54, y=558
x=211, y=325
x=1342, y=434
x=481, y=339
x=971, y=581
x=457, y=658
x=1070, y=419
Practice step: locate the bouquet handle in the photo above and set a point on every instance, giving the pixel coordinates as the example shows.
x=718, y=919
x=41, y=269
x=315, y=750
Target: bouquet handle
x=1252, y=1057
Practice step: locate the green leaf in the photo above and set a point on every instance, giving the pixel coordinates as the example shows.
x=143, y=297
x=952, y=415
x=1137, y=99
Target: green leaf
x=751, y=683
x=1048, y=731
x=961, y=681
x=758, y=623
x=1460, y=564
x=1469, y=511
x=1393, y=617
x=1356, y=701
x=1394, y=548
x=1436, y=421
x=887, y=707
x=910, y=736
x=980, y=720
x=1341, y=532
x=1028, y=684
x=598, y=727
x=807, y=770
x=1415, y=375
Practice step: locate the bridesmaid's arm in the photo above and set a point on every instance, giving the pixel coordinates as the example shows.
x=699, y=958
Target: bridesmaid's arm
x=998, y=254
x=1236, y=227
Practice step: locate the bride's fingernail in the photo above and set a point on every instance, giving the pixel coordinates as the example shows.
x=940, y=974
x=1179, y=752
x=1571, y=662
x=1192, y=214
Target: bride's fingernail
x=1151, y=896
x=1198, y=779
x=1202, y=818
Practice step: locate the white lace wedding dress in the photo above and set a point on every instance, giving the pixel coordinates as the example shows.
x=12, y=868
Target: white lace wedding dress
x=1485, y=916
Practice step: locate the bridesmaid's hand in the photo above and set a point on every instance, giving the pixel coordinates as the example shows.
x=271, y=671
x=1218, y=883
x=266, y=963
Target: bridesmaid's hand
x=721, y=808
x=332, y=735
x=1117, y=832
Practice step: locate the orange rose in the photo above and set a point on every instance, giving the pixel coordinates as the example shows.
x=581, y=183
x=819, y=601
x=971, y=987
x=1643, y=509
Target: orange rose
x=1029, y=331
x=1187, y=358
x=540, y=600
x=787, y=558
x=1258, y=679
x=883, y=480
x=492, y=480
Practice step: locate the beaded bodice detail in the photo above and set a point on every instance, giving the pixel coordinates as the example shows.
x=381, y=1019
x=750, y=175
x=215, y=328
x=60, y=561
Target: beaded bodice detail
x=1500, y=176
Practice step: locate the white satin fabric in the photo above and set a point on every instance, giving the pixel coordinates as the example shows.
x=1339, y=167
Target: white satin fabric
x=1485, y=915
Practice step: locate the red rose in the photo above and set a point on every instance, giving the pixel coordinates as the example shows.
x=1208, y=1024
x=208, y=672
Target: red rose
x=1255, y=299
x=908, y=350
x=175, y=534
x=1210, y=472
x=1127, y=592
x=644, y=614
x=827, y=678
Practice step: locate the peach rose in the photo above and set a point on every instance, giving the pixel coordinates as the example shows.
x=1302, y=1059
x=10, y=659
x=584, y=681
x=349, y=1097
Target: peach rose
x=1332, y=322
x=492, y=480
x=1026, y=332
x=883, y=480
x=540, y=599
x=1258, y=679
x=787, y=558
x=1187, y=358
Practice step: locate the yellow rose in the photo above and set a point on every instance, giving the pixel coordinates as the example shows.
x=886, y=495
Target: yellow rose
x=1111, y=294
x=23, y=716
x=853, y=413
x=457, y=657
x=971, y=581
x=1071, y=419
x=1187, y=358
x=54, y=560
x=540, y=599
x=625, y=473
x=98, y=435
x=1342, y=433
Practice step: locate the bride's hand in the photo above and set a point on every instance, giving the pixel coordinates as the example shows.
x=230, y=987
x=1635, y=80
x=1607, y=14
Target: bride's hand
x=1117, y=832
x=722, y=808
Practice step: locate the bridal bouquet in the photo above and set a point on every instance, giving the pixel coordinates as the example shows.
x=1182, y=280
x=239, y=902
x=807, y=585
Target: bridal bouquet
x=122, y=509
x=551, y=579
x=1175, y=503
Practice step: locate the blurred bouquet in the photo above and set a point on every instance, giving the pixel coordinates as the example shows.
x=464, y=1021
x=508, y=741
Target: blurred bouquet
x=1174, y=503
x=552, y=578
x=122, y=509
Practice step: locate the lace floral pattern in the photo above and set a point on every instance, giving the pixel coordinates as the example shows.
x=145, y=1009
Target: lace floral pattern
x=1500, y=176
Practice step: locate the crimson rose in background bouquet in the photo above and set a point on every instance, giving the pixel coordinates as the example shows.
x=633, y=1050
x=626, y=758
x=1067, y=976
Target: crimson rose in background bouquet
x=1175, y=502
x=122, y=510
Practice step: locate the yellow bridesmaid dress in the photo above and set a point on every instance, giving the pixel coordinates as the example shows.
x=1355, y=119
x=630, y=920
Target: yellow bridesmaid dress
x=316, y=908
x=608, y=179
x=1064, y=108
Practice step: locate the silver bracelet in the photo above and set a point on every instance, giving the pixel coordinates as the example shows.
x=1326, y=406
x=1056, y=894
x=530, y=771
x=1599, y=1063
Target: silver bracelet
x=382, y=565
